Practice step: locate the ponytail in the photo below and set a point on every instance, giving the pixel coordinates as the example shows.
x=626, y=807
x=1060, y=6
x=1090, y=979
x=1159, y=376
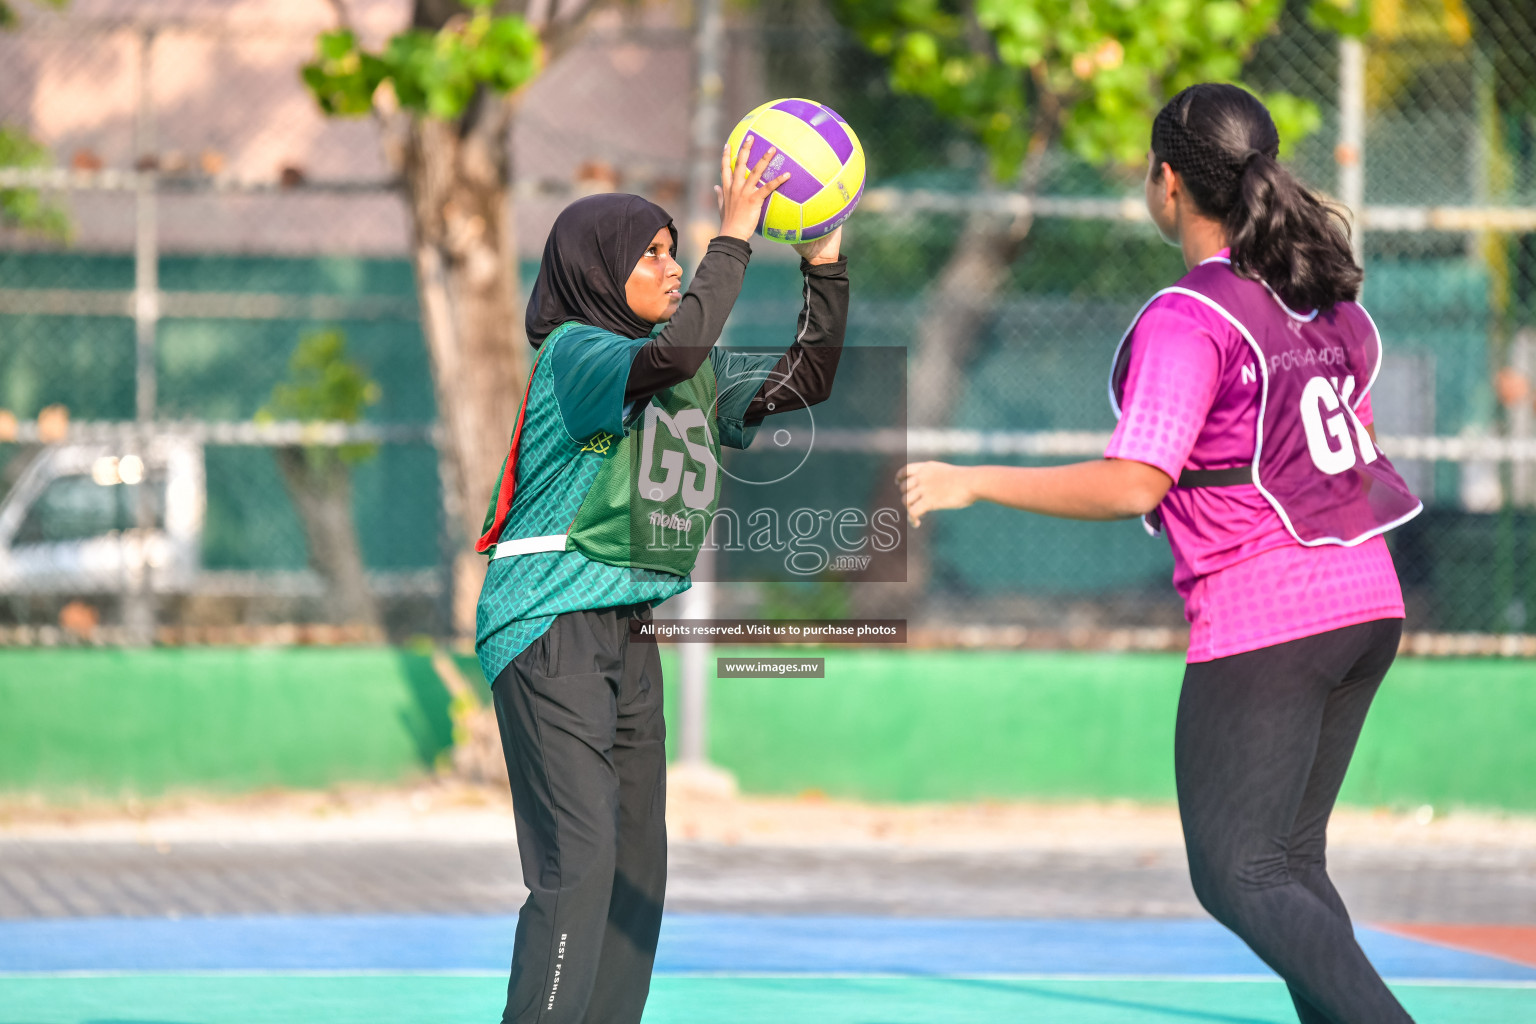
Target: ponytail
x=1224, y=145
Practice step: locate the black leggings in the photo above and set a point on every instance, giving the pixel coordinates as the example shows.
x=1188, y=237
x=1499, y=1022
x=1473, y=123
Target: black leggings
x=1260, y=750
x=582, y=730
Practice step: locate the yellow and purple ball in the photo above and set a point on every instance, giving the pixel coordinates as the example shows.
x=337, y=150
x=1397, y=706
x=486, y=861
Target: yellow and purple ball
x=824, y=160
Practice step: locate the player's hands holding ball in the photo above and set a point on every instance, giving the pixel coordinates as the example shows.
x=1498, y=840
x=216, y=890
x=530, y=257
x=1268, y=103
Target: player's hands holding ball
x=742, y=190
x=826, y=249
x=823, y=177
x=929, y=486
x=742, y=193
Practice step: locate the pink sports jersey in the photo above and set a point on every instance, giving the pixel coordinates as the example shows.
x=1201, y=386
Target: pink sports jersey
x=1246, y=582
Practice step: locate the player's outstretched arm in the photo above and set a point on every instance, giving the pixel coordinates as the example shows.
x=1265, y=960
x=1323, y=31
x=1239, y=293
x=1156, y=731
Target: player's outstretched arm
x=676, y=354
x=1106, y=489
x=803, y=375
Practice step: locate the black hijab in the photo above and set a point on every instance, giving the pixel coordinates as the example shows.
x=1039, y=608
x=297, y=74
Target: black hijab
x=592, y=250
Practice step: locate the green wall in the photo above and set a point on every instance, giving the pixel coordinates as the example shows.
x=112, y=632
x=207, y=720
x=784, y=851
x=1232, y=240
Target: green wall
x=882, y=724
x=970, y=725
x=108, y=723
x=933, y=725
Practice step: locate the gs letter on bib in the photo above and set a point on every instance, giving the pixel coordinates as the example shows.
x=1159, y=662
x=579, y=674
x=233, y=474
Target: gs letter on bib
x=696, y=495
x=653, y=500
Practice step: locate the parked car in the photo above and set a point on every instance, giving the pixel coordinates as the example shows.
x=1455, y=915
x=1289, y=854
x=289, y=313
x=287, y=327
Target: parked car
x=73, y=521
x=72, y=526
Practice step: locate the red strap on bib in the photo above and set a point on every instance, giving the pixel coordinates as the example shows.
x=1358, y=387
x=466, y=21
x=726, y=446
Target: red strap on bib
x=508, y=471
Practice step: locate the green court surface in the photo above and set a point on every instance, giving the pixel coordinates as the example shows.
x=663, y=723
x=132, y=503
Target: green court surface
x=395, y=998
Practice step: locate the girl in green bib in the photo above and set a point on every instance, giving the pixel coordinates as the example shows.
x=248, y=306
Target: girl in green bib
x=602, y=506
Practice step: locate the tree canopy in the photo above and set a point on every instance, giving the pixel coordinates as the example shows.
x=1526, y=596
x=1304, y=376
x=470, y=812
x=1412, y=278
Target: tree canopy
x=323, y=384
x=1090, y=74
x=431, y=72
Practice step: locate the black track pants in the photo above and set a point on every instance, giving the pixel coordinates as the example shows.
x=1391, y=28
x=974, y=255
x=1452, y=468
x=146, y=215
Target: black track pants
x=582, y=730
x=1260, y=750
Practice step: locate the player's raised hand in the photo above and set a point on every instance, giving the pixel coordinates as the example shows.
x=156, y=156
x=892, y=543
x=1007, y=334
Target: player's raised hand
x=742, y=191
x=825, y=249
x=928, y=486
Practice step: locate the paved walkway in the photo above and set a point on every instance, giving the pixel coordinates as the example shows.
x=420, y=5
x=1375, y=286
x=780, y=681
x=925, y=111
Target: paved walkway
x=61, y=878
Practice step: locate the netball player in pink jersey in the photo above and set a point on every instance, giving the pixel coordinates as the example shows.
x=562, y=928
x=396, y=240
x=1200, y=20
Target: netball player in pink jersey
x=1245, y=434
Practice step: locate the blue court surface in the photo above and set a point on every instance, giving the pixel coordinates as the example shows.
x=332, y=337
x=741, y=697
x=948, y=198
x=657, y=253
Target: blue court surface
x=710, y=968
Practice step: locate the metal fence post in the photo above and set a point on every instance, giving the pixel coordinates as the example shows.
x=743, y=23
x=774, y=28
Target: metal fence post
x=1522, y=419
x=449, y=535
x=1350, y=152
x=139, y=601
x=704, y=137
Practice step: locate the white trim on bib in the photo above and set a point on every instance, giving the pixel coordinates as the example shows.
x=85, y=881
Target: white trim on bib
x=529, y=545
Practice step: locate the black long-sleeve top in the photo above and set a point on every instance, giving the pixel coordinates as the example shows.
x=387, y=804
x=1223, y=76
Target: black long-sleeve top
x=801, y=377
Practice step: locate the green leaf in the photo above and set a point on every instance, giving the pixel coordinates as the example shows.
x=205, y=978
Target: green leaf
x=1225, y=19
x=336, y=45
x=1351, y=18
x=920, y=48
x=434, y=73
x=25, y=208
x=1108, y=64
x=1295, y=119
x=323, y=385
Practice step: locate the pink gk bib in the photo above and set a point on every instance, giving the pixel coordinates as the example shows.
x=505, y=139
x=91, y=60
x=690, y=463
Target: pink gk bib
x=1313, y=460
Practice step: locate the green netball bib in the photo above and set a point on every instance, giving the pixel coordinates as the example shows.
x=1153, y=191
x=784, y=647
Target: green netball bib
x=654, y=497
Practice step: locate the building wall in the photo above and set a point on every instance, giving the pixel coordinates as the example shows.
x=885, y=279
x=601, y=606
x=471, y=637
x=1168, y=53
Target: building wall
x=227, y=98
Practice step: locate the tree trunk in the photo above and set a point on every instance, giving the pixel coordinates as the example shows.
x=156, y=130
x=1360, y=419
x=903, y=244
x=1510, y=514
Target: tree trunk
x=960, y=304
x=457, y=178
x=958, y=308
x=465, y=257
x=321, y=487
